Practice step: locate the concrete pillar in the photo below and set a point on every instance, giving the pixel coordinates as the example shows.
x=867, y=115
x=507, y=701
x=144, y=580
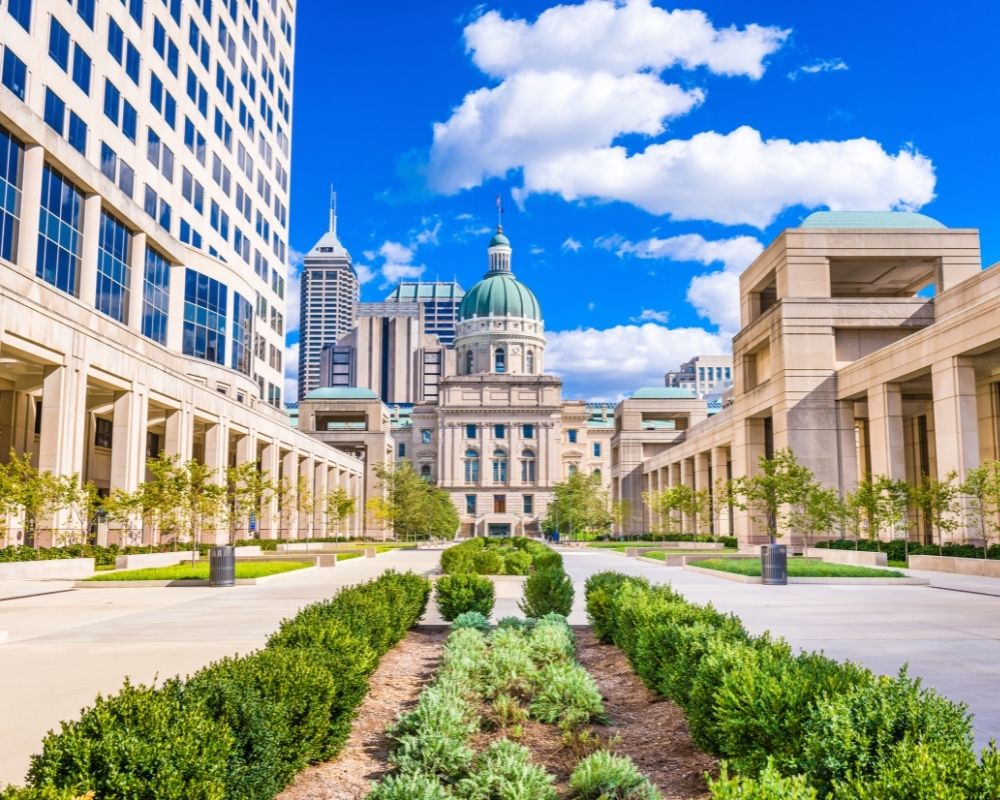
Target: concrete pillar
x=885, y=430
x=687, y=479
x=747, y=449
x=288, y=522
x=179, y=436
x=847, y=446
x=320, y=478
x=720, y=509
x=216, y=459
x=271, y=466
x=356, y=489
x=306, y=478
x=136, y=288
x=17, y=416
x=128, y=450
x=175, y=317
x=91, y=239
x=956, y=428
x=32, y=166
x=702, y=465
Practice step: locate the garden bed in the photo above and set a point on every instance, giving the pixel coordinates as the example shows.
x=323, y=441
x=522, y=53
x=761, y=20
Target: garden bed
x=194, y=574
x=801, y=570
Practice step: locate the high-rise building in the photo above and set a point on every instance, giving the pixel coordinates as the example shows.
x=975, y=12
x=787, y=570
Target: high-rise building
x=144, y=181
x=329, y=295
x=440, y=301
x=703, y=375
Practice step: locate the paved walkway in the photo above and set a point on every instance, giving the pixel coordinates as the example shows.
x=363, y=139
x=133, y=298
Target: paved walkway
x=951, y=639
x=63, y=649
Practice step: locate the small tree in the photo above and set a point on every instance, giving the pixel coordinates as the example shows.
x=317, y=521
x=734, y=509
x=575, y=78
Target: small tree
x=84, y=503
x=339, y=507
x=412, y=507
x=817, y=512
x=581, y=506
x=937, y=500
x=981, y=489
x=246, y=490
x=304, y=504
x=31, y=493
x=284, y=492
x=722, y=501
x=779, y=484
x=878, y=505
x=700, y=509
x=668, y=504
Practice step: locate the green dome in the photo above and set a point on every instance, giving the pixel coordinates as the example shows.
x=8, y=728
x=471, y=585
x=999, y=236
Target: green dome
x=499, y=294
x=499, y=238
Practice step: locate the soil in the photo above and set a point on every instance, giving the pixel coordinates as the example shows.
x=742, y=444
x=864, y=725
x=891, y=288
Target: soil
x=650, y=730
x=401, y=676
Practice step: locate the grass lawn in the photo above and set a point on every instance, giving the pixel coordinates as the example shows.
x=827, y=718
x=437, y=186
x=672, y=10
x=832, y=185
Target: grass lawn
x=797, y=568
x=349, y=554
x=661, y=555
x=178, y=572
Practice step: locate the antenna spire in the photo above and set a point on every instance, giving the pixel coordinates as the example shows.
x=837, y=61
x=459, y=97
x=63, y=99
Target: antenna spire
x=499, y=213
x=333, y=211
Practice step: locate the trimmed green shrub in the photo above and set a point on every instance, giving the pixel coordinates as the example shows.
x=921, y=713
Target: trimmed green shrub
x=142, y=743
x=600, y=590
x=472, y=619
x=566, y=694
x=603, y=776
x=43, y=793
x=768, y=785
x=547, y=590
x=504, y=770
x=517, y=623
x=493, y=556
x=409, y=786
x=551, y=640
x=917, y=771
x=489, y=562
x=456, y=594
x=517, y=563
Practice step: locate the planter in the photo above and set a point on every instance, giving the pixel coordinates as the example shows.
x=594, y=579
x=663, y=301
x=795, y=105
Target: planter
x=983, y=567
x=774, y=564
x=53, y=569
x=144, y=560
x=856, y=558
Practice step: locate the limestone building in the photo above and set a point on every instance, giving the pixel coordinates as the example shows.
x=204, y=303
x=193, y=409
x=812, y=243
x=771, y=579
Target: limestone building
x=702, y=375
x=439, y=302
x=144, y=166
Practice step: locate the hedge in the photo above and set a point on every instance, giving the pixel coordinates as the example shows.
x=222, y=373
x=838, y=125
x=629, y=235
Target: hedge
x=495, y=556
x=798, y=723
x=102, y=555
x=241, y=727
x=458, y=594
x=898, y=550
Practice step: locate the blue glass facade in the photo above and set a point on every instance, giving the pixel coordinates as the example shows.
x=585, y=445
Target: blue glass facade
x=156, y=297
x=205, y=306
x=60, y=232
x=11, y=151
x=113, y=270
x=242, y=356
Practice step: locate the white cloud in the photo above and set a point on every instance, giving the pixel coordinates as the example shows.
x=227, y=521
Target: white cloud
x=369, y=254
x=618, y=38
x=578, y=78
x=571, y=245
x=535, y=250
x=821, y=65
x=365, y=273
x=429, y=234
x=714, y=295
x=591, y=305
x=393, y=273
x=652, y=315
x=291, y=372
x=611, y=362
x=740, y=178
x=395, y=251
x=292, y=289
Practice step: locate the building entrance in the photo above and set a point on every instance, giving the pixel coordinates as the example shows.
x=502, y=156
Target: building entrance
x=498, y=529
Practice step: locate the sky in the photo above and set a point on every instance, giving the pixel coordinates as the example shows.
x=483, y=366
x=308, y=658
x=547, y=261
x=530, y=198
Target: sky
x=644, y=153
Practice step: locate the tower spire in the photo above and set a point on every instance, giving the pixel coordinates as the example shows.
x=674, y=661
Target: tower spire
x=333, y=211
x=499, y=214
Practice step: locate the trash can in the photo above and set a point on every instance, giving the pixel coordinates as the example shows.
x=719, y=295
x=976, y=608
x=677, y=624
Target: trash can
x=774, y=564
x=222, y=566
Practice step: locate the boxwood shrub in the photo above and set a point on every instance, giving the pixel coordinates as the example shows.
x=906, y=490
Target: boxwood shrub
x=792, y=725
x=457, y=594
x=241, y=727
x=547, y=591
x=496, y=556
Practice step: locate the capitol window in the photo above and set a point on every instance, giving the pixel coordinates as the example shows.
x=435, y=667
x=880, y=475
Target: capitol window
x=468, y=362
x=499, y=466
x=500, y=360
x=528, y=463
x=530, y=362
x=471, y=466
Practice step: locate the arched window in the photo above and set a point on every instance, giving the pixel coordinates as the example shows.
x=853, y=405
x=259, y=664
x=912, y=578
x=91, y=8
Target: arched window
x=572, y=470
x=500, y=360
x=528, y=463
x=425, y=471
x=597, y=474
x=499, y=466
x=529, y=365
x=471, y=466
x=468, y=362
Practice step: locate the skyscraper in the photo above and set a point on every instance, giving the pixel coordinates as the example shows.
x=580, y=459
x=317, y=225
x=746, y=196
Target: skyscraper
x=440, y=301
x=329, y=295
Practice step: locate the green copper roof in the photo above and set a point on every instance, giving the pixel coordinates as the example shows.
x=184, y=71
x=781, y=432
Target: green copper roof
x=662, y=393
x=499, y=238
x=902, y=220
x=499, y=294
x=341, y=393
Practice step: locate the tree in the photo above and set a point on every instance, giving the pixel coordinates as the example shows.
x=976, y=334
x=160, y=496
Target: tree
x=722, y=500
x=246, y=490
x=412, y=507
x=304, y=504
x=937, y=500
x=83, y=501
x=580, y=507
x=879, y=505
x=981, y=489
x=818, y=511
x=339, y=507
x=31, y=493
x=780, y=483
x=284, y=492
x=668, y=505
x=700, y=509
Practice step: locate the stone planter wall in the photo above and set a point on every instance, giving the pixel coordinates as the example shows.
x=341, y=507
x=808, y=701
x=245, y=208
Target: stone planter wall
x=987, y=568
x=56, y=568
x=854, y=558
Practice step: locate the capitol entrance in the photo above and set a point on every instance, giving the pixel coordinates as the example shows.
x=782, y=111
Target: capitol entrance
x=498, y=529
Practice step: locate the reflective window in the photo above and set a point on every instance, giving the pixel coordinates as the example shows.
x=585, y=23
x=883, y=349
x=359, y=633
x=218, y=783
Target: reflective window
x=10, y=193
x=113, y=269
x=156, y=297
x=528, y=462
x=499, y=466
x=15, y=73
x=471, y=466
x=60, y=232
x=204, y=317
x=242, y=335
x=500, y=360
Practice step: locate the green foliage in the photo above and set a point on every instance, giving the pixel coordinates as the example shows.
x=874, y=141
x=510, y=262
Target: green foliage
x=456, y=594
x=547, y=590
x=504, y=770
x=494, y=556
x=412, y=507
x=489, y=562
x=768, y=785
x=142, y=743
x=200, y=571
x=43, y=793
x=779, y=485
x=580, y=508
x=409, y=786
x=551, y=640
x=603, y=776
x=600, y=590
x=472, y=619
x=566, y=694
x=797, y=568
x=517, y=563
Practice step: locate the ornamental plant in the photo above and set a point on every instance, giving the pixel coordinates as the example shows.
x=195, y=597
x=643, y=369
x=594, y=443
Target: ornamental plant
x=547, y=590
x=457, y=594
x=603, y=776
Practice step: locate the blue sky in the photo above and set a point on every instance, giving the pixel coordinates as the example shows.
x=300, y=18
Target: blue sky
x=644, y=155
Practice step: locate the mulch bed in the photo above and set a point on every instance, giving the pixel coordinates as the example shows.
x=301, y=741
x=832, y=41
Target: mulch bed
x=652, y=731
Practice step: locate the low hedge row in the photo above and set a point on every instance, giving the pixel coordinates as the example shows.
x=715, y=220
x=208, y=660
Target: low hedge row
x=495, y=556
x=103, y=555
x=241, y=727
x=790, y=725
x=898, y=550
x=728, y=541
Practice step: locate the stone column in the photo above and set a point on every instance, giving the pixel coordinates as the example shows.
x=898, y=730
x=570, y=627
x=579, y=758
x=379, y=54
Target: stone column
x=128, y=451
x=747, y=448
x=320, y=487
x=847, y=448
x=687, y=478
x=175, y=316
x=216, y=459
x=956, y=423
x=91, y=239
x=17, y=411
x=64, y=420
x=702, y=465
x=136, y=287
x=178, y=440
x=720, y=509
x=307, y=476
x=271, y=466
x=32, y=167
x=288, y=521
x=885, y=431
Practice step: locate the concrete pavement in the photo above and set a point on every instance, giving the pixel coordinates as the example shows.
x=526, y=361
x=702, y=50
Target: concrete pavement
x=63, y=649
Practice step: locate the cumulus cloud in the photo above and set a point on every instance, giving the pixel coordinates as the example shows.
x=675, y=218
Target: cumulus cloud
x=652, y=315
x=821, y=65
x=429, y=233
x=714, y=295
x=393, y=273
x=292, y=289
x=365, y=273
x=608, y=363
x=536, y=250
x=618, y=38
x=571, y=245
x=576, y=80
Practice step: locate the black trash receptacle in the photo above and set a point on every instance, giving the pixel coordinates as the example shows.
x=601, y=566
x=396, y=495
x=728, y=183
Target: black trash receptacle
x=222, y=566
x=774, y=564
